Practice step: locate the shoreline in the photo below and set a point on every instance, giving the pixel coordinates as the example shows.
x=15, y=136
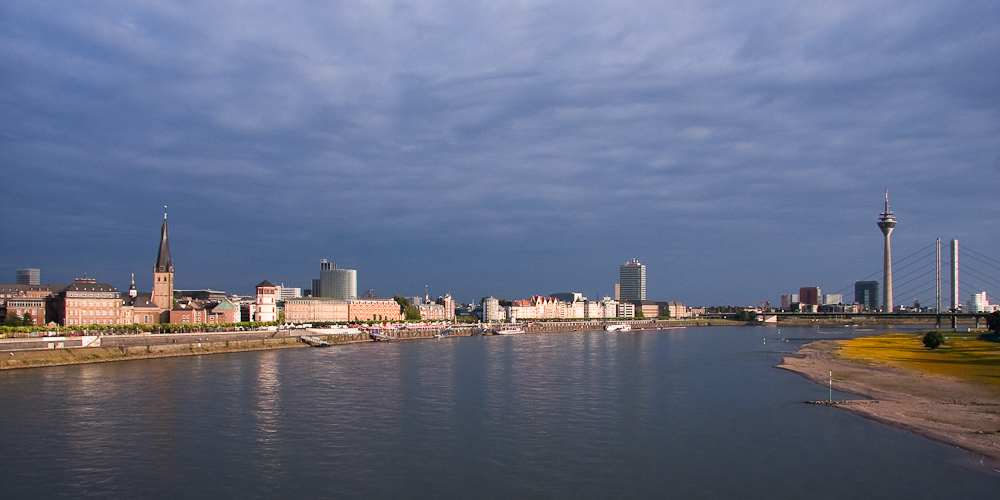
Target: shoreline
x=939, y=408
x=37, y=358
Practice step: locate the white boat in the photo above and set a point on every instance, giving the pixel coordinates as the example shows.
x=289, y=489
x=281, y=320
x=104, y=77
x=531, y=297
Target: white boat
x=618, y=328
x=508, y=331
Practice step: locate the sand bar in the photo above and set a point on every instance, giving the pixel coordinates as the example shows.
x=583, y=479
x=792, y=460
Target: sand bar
x=941, y=408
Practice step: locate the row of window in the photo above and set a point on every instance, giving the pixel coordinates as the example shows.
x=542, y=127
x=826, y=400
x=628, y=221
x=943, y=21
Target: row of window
x=90, y=303
x=91, y=312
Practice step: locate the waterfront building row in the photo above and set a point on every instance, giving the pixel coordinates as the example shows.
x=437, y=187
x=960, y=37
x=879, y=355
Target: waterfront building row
x=575, y=306
x=315, y=309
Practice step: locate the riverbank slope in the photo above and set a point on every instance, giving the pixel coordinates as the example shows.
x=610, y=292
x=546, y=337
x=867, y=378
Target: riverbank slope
x=72, y=356
x=959, y=410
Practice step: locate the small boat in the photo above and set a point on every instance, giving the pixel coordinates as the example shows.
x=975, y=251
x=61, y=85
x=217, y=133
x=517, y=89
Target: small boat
x=314, y=341
x=508, y=331
x=618, y=328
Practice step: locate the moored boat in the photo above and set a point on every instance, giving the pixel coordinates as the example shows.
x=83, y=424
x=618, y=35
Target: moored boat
x=618, y=328
x=508, y=331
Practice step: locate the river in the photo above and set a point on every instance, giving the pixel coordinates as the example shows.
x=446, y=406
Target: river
x=686, y=413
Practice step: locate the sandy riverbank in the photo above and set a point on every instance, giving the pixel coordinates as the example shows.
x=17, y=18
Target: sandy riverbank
x=941, y=408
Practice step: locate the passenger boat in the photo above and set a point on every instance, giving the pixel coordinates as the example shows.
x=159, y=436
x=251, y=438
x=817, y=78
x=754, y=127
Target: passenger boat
x=508, y=331
x=618, y=328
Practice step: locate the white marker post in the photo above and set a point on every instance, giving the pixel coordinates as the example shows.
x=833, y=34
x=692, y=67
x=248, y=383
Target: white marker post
x=831, y=386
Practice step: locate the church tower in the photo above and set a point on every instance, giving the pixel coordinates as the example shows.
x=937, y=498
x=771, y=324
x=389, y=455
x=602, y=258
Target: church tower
x=163, y=273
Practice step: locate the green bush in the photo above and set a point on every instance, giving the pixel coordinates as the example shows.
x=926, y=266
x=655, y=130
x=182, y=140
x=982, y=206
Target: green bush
x=933, y=339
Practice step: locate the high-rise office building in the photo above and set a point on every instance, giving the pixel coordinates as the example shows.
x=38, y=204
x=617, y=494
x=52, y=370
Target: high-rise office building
x=632, y=278
x=788, y=299
x=866, y=294
x=810, y=295
x=335, y=282
x=28, y=277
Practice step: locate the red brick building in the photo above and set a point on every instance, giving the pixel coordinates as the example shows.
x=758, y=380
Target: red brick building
x=809, y=295
x=36, y=300
x=198, y=312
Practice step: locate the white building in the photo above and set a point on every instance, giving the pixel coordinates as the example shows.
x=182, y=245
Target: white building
x=610, y=307
x=492, y=310
x=267, y=297
x=833, y=299
x=626, y=310
x=980, y=304
x=287, y=292
x=593, y=309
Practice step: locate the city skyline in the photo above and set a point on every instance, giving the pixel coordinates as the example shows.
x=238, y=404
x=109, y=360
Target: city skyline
x=737, y=150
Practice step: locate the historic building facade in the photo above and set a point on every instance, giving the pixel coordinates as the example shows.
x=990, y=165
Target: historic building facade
x=306, y=309
x=87, y=302
x=374, y=309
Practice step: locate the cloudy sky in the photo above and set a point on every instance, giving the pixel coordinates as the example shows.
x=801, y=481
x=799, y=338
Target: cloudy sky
x=738, y=149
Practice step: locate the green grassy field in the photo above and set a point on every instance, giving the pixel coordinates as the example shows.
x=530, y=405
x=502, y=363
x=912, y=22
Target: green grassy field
x=962, y=355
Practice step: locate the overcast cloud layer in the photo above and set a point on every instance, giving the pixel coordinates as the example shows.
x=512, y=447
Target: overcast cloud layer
x=738, y=149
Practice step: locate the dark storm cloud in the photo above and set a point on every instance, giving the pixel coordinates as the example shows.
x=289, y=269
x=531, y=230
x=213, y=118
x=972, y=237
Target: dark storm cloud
x=738, y=149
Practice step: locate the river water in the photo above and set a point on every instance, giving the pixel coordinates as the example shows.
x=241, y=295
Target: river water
x=688, y=413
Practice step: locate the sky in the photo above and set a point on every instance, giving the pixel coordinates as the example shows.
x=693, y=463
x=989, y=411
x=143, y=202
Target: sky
x=740, y=150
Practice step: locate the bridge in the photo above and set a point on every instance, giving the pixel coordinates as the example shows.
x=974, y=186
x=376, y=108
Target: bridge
x=919, y=278
x=979, y=318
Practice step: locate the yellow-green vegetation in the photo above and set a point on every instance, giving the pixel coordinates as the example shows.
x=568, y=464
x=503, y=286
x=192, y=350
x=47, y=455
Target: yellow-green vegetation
x=962, y=355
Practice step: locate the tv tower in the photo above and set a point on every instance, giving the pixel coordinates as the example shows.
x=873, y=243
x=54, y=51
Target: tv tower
x=887, y=221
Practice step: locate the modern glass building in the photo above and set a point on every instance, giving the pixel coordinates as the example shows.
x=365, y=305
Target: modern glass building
x=632, y=279
x=28, y=277
x=335, y=282
x=866, y=294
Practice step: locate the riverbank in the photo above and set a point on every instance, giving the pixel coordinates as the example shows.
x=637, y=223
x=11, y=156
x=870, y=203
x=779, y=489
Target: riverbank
x=14, y=359
x=949, y=409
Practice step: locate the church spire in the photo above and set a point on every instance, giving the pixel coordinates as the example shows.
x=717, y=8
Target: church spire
x=163, y=262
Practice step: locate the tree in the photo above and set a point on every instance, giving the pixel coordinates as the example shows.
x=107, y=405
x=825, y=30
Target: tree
x=12, y=320
x=993, y=321
x=402, y=301
x=933, y=339
x=412, y=313
x=638, y=313
x=27, y=320
x=745, y=315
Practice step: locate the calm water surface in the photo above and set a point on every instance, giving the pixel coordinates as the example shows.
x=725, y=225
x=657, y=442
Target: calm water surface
x=691, y=413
